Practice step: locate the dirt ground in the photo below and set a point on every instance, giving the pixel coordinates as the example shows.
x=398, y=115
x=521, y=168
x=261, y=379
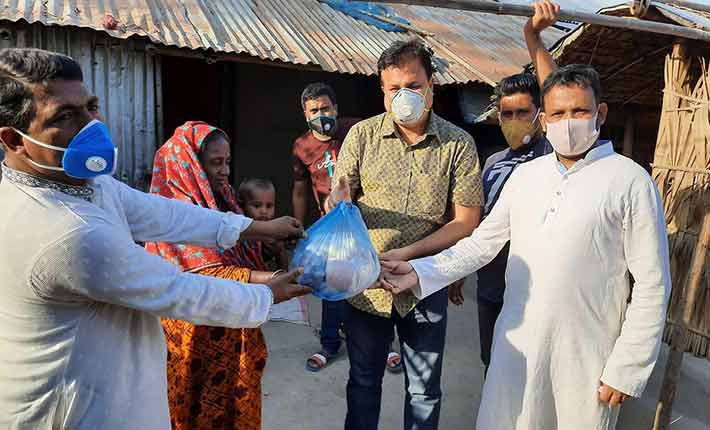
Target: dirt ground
x=295, y=399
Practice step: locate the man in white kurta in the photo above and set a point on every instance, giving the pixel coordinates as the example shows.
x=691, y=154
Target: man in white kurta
x=80, y=334
x=81, y=345
x=565, y=324
x=568, y=344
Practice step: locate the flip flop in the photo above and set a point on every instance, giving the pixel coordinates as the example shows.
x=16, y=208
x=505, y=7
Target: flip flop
x=394, y=362
x=320, y=360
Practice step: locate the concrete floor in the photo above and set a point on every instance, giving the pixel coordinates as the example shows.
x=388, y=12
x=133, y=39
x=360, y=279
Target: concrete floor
x=295, y=399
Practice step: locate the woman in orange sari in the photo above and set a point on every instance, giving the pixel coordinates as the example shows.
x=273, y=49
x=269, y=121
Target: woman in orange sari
x=214, y=373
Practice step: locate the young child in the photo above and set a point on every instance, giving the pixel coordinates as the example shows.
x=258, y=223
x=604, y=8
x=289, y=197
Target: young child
x=257, y=197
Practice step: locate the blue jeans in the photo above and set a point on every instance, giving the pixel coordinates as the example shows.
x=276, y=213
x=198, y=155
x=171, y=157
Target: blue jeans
x=422, y=334
x=331, y=321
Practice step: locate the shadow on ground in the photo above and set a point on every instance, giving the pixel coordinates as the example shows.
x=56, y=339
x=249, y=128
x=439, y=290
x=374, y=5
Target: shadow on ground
x=296, y=399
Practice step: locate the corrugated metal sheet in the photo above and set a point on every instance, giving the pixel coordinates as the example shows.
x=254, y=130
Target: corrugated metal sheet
x=122, y=74
x=470, y=47
x=489, y=47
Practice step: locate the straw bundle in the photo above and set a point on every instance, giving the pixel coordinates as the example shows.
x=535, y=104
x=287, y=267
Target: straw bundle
x=682, y=172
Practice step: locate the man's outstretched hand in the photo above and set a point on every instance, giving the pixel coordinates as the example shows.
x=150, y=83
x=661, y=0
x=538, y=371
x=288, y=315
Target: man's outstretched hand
x=398, y=277
x=283, y=228
x=285, y=287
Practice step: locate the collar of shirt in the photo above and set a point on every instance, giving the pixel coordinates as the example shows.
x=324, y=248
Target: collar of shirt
x=601, y=149
x=539, y=143
x=389, y=128
x=22, y=178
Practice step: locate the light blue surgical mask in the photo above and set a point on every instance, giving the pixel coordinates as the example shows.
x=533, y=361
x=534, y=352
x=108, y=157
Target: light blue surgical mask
x=89, y=154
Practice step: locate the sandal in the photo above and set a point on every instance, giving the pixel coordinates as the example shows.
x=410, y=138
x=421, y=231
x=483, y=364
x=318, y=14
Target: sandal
x=394, y=362
x=320, y=360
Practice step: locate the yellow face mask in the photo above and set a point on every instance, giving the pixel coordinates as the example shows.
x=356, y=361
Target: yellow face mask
x=519, y=133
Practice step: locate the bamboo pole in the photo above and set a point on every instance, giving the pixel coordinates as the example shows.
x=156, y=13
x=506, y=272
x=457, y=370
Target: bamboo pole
x=487, y=6
x=680, y=328
x=685, y=3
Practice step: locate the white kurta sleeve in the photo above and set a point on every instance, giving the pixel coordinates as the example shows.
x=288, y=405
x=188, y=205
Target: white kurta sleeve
x=469, y=254
x=153, y=218
x=104, y=265
x=646, y=251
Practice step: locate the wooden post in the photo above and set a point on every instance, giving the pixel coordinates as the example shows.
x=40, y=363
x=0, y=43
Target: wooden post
x=687, y=302
x=499, y=8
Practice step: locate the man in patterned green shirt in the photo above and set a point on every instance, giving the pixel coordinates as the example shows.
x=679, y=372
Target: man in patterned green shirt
x=416, y=179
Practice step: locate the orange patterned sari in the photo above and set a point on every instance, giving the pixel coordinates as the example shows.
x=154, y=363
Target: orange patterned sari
x=214, y=373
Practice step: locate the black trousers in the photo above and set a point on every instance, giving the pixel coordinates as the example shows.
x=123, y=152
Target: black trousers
x=487, y=315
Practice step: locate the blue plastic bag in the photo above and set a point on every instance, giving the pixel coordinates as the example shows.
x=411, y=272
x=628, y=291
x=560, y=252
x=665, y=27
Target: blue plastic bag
x=337, y=256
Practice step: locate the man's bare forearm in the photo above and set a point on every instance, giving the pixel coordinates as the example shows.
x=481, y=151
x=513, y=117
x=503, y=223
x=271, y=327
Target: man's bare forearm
x=546, y=13
x=299, y=199
x=540, y=56
x=445, y=237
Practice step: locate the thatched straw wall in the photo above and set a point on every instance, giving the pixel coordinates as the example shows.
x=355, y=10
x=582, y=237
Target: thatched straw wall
x=681, y=170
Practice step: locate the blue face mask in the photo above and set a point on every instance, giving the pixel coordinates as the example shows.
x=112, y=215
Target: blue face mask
x=90, y=153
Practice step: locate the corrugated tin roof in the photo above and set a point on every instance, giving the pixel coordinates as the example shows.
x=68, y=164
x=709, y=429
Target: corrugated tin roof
x=470, y=47
x=491, y=46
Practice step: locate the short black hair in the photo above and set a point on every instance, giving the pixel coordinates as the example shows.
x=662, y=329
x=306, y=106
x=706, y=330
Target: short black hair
x=574, y=74
x=522, y=83
x=20, y=68
x=402, y=51
x=315, y=90
x=252, y=184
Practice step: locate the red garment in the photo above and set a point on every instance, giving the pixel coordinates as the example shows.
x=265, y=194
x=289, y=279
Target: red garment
x=178, y=174
x=315, y=160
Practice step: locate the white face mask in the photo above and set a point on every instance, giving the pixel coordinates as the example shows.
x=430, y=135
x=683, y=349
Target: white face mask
x=570, y=137
x=408, y=106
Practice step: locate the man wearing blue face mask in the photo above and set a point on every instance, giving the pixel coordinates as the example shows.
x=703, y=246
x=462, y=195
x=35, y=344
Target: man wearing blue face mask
x=568, y=347
x=80, y=334
x=416, y=179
